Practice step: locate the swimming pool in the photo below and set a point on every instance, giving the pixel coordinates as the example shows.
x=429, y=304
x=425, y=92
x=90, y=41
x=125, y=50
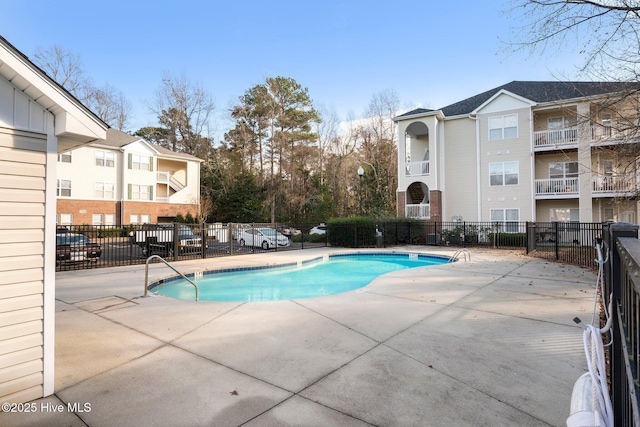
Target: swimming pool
x=320, y=276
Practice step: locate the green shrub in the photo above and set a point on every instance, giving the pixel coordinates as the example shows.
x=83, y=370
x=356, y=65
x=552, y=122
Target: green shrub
x=309, y=238
x=352, y=232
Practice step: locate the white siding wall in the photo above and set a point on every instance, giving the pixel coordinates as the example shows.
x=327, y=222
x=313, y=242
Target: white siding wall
x=83, y=172
x=22, y=223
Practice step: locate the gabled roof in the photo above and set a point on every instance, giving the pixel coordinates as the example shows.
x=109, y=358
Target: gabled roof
x=75, y=123
x=119, y=139
x=538, y=92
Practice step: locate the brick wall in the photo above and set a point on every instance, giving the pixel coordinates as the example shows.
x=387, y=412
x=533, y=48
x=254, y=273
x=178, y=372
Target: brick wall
x=83, y=210
x=435, y=202
x=402, y=201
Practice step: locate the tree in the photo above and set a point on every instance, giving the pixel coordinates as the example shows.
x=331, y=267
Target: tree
x=110, y=105
x=185, y=110
x=605, y=32
x=66, y=68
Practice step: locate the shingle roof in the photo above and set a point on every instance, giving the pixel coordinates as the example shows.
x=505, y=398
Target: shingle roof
x=538, y=92
x=116, y=138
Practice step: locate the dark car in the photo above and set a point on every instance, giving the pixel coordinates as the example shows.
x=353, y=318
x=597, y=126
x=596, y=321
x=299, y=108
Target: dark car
x=76, y=248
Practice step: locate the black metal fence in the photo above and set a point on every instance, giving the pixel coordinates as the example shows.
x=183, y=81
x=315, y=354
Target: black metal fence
x=622, y=285
x=83, y=246
x=80, y=247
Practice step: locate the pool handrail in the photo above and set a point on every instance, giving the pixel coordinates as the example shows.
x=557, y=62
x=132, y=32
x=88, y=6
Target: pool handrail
x=462, y=251
x=146, y=274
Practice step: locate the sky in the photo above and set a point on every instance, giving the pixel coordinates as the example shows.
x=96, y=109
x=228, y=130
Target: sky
x=432, y=53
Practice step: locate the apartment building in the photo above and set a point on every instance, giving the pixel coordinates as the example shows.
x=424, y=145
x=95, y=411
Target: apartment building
x=524, y=151
x=125, y=180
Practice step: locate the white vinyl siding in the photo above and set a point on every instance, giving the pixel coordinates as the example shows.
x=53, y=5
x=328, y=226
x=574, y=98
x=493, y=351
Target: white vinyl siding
x=22, y=207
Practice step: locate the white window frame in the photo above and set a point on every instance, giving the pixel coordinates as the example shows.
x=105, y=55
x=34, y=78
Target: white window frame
x=104, y=190
x=493, y=169
x=498, y=129
x=564, y=215
x=63, y=186
x=565, y=168
x=105, y=158
x=145, y=219
x=110, y=219
x=134, y=219
x=139, y=162
x=65, y=219
x=97, y=219
x=65, y=157
x=506, y=225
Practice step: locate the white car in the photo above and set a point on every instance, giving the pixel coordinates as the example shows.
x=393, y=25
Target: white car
x=320, y=229
x=265, y=238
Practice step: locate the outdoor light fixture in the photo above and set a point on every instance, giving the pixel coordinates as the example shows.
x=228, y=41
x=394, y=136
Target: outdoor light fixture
x=360, y=174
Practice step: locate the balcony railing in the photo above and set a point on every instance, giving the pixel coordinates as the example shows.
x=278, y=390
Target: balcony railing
x=555, y=137
x=417, y=168
x=611, y=133
x=163, y=177
x=557, y=186
x=421, y=211
x=613, y=183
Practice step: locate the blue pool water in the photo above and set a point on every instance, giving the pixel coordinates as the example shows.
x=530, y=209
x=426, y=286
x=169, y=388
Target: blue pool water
x=340, y=273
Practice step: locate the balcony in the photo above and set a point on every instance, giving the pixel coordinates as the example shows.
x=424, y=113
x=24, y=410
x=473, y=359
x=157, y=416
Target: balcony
x=170, y=180
x=557, y=187
x=417, y=168
x=420, y=211
x=556, y=138
x=613, y=184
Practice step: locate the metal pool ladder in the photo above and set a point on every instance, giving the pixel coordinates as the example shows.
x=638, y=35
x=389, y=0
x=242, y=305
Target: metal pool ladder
x=464, y=252
x=146, y=274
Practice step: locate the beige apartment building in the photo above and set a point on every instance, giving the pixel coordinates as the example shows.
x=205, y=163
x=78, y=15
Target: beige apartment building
x=125, y=180
x=524, y=151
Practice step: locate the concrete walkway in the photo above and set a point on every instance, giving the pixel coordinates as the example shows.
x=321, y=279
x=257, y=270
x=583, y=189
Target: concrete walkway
x=490, y=342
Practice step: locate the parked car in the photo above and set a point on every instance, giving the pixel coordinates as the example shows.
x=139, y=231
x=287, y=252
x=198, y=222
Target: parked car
x=319, y=229
x=288, y=231
x=265, y=238
x=76, y=248
x=158, y=239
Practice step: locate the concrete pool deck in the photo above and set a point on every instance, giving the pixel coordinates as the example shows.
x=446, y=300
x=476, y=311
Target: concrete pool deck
x=485, y=342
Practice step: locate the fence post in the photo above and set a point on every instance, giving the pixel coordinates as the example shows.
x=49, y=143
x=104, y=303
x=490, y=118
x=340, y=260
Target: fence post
x=203, y=242
x=557, y=243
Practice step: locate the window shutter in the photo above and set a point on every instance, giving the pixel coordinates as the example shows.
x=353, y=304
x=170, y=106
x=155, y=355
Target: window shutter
x=151, y=192
x=129, y=190
x=130, y=163
x=151, y=164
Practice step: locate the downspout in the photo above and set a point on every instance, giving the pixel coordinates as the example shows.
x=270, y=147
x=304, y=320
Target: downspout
x=532, y=167
x=478, y=186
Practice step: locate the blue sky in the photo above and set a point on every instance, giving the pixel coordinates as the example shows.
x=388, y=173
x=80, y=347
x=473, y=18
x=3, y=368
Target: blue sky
x=431, y=53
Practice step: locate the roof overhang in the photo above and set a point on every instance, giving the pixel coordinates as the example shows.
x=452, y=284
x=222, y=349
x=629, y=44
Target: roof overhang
x=74, y=124
x=500, y=93
x=438, y=113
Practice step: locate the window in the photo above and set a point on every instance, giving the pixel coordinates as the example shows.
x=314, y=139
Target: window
x=105, y=158
x=563, y=170
x=97, y=219
x=506, y=219
x=104, y=190
x=110, y=219
x=505, y=173
x=140, y=219
x=65, y=219
x=503, y=127
x=65, y=157
x=140, y=192
x=64, y=188
x=564, y=214
x=138, y=162
x=555, y=123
